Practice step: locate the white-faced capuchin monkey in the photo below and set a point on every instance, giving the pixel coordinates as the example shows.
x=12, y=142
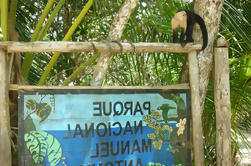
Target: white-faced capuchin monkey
x=186, y=19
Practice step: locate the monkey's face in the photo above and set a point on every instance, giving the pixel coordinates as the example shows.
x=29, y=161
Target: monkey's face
x=182, y=16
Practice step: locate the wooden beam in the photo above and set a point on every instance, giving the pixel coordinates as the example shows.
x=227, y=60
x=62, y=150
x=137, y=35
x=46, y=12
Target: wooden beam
x=113, y=47
x=197, y=133
x=222, y=106
x=5, y=145
x=30, y=88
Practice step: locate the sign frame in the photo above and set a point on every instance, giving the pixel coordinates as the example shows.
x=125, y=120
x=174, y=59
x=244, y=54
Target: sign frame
x=115, y=90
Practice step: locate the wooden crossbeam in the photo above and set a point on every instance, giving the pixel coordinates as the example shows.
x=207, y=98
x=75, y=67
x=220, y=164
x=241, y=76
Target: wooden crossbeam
x=30, y=87
x=102, y=46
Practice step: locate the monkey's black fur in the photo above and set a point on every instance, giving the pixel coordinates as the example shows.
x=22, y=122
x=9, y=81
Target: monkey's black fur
x=192, y=18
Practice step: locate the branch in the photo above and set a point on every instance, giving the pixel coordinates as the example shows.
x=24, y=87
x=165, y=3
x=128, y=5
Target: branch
x=115, y=33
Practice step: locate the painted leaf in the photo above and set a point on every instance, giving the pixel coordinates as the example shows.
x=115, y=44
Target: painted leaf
x=44, y=147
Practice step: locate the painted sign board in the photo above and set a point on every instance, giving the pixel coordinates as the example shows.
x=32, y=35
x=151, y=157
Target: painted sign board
x=104, y=127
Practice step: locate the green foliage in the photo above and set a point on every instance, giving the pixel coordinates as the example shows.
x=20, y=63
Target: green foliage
x=141, y=69
x=167, y=9
x=12, y=13
x=28, y=58
x=235, y=27
x=149, y=23
x=4, y=18
x=66, y=38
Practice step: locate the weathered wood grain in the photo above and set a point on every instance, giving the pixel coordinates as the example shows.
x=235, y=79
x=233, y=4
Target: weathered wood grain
x=222, y=106
x=197, y=133
x=5, y=145
x=102, y=46
x=30, y=88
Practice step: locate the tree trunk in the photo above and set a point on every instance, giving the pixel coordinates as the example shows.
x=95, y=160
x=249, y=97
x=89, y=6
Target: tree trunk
x=210, y=11
x=116, y=29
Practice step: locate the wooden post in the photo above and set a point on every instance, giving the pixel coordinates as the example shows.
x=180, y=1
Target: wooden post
x=5, y=146
x=222, y=106
x=196, y=109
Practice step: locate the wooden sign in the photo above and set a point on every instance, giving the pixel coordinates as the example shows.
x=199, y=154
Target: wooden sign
x=104, y=127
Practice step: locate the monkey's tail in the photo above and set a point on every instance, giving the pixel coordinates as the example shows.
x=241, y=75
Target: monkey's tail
x=203, y=30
